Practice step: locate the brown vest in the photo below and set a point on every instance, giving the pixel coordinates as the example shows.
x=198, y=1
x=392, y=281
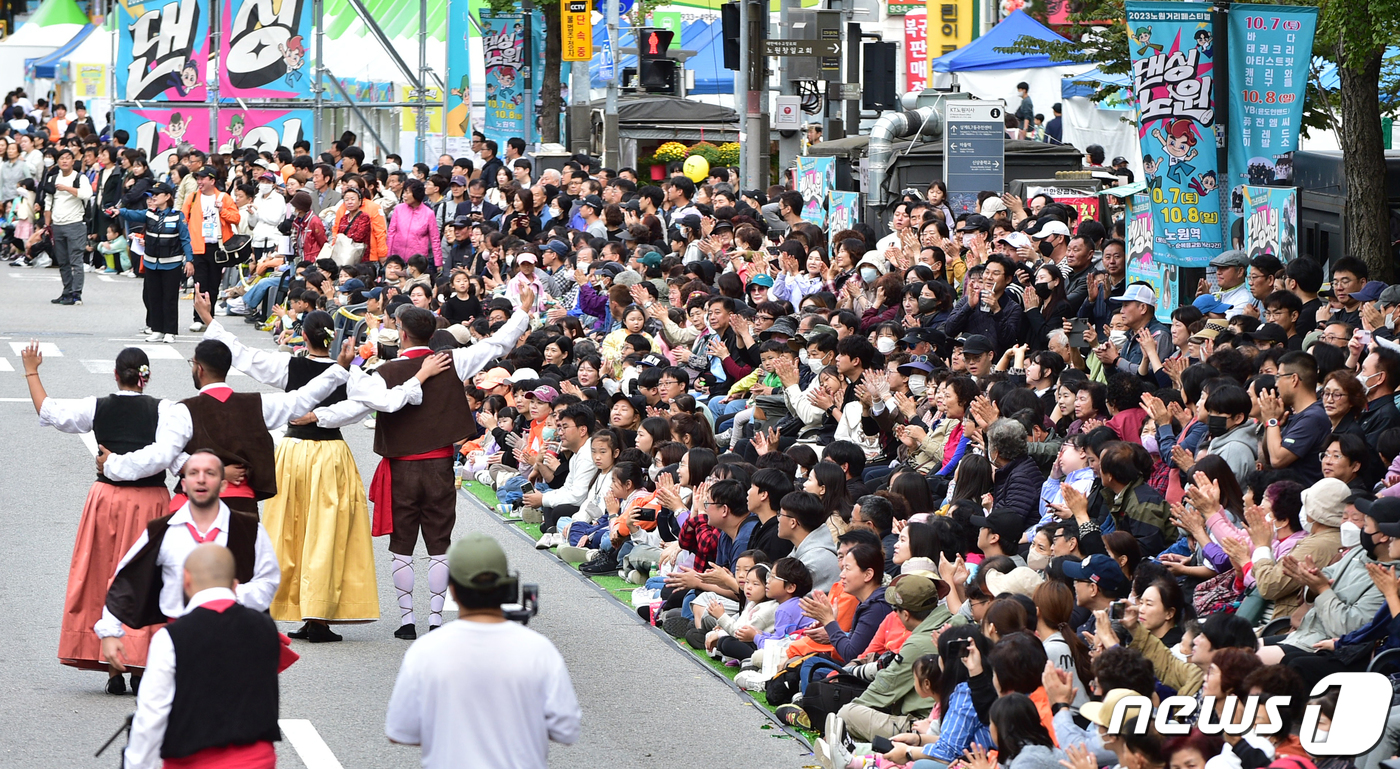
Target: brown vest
x=444, y=417
x=236, y=432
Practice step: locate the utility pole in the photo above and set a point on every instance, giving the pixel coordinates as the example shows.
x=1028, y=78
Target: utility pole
x=578, y=106
x=789, y=142
x=755, y=136
x=421, y=116
x=610, y=138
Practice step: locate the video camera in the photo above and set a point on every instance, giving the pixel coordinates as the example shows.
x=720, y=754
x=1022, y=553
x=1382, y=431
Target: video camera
x=526, y=606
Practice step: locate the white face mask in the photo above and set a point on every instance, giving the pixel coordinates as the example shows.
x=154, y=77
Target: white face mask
x=391, y=167
x=802, y=355
x=1390, y=324
x=48, y=162
x=1117, y=337
x=918, y=384
x=1037, y=561
x=885, y=345
x=816, y=365
x=264, y=189
x=1351, y=534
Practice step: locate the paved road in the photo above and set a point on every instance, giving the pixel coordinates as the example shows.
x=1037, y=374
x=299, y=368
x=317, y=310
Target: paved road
x=645, y=704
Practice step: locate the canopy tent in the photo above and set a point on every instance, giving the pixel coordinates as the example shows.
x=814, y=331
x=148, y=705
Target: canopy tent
x=1086, y=84
x=1105, y=123
x=46, y=67
x=53, y=24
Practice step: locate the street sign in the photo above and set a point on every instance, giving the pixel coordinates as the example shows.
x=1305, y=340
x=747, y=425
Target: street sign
x=974, y=136
x=831, y=38
x=788, y=115
x=605, y=70
x=802, y=48
x=576, y=30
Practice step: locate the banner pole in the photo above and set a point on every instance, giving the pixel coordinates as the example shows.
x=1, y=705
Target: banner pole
x=216, y=48
x=318, y=9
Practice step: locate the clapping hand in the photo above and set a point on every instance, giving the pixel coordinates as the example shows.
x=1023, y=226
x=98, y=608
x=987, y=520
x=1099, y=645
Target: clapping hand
x=1182, y=458
x=765, y=441
x=1384, y=577
x=1271, y=405
x=819, y=397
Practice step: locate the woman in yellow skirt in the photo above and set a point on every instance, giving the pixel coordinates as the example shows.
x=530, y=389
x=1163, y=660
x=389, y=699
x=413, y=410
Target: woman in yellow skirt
x=115, y=514
x=319, y=520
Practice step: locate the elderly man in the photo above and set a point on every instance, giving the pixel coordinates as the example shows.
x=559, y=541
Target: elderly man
x=1230, y=269
x=1138, y=303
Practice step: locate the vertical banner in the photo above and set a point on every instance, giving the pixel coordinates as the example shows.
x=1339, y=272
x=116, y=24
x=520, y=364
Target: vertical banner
x=162, y=131
x=163, y=54
x=534, y=70
x=950, y=26
x=815, y=178
x=262, y=129
x=1271, y=222
x=459, y=70
x=1174, y=81
x=1141, y=263
x=915, y=50
x=503, y=43
x=576, y=30
x=89, y=81
x=409, y=115
x=264, y=49
x=1270, y=51
x=842, y=212
x=974, y=151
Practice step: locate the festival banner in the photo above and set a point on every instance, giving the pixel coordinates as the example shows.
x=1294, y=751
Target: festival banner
x=160, y=132
x=1271, y=222
x=409, y=115
x=1084, y=202
x=815, y=178
x=1174, y=81
x=1141, y=263
x=503, y=43
x=534, y=70
x=915, y=50
x=163, y=54
x=459, y=69
x=89, y=81
x=262, y=129
x=843, y=211
x=1270, y=51
x=264, y=49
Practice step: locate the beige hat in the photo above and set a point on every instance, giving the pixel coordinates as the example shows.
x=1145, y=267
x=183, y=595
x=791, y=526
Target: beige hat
x=919, y=565
x=1325, y=501
x=1022, y=580
x=1101, y=713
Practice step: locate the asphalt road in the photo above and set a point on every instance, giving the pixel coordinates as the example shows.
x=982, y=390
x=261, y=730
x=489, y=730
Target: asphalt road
x=645, y=704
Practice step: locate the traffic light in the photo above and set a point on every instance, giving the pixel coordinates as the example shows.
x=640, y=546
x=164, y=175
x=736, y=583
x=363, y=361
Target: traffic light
x=878, y=71
x=730, y=19
x=656, y=71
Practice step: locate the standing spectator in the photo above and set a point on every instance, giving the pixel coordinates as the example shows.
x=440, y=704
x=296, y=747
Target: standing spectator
x=64, y=218
x=413, y=228
x=167, y=245
x=1025, y=113
x=269, y=209
x=217, y=216
x=1054, y=131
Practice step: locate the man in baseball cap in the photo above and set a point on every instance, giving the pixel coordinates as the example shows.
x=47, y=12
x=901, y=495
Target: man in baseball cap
x=1098, y=581
x=999, y=533
x=979, y=354
x=1057, y=234
x=1139, y=305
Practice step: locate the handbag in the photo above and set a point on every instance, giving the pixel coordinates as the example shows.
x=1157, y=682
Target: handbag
x=236, y=250
x=1253, y=606
x=344, y=251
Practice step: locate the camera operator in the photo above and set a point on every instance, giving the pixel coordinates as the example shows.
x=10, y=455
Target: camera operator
x=483, y=686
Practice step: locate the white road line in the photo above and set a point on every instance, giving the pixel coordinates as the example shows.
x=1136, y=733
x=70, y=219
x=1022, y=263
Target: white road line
x=106, y=278
x=37, y=278
x=6, y=365
x=46, y=349
x=313, y=751
x=99, y=366
x=17, y=400
x=160, y=351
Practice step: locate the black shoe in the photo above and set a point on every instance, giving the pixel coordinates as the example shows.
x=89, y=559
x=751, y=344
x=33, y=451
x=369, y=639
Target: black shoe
x=320, y=633
x=407, y=633
x=302, y=634
x=69, y=300
x=61, y=300
x=431, y=628
x=603, y=564
x=696, y=638
x=135, y=684
x=116, y=685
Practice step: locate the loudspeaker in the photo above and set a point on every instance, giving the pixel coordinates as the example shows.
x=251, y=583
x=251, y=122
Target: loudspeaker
x=878, y=72
x=729, y=15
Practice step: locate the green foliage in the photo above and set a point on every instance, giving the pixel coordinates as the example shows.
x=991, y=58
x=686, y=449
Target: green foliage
x=706, y=150
x=729, y=154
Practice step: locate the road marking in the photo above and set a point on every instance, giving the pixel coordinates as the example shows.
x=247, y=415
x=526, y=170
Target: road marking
x=160, y=351
x=16, y=400
x=307, y=742
x=99, y=366
x=106, y=278
x=5, y=365
x=37, y=278
x=46, y=349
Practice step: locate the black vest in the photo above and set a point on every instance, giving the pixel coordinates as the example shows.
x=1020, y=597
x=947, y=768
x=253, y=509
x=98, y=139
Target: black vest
x=225, y=681
x=125, y=423
x=300, y=372
x=235, y=431
x=442, y=419
x=163, y=236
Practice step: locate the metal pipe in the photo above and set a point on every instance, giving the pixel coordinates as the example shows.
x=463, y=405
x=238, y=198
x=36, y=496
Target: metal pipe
x=421, y=121
x=361, y=115
x=383, y=39
x=319, y=88
x=891, y=125
x=610, y=122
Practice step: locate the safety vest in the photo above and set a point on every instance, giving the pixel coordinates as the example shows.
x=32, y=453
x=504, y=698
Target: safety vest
x=163, y=237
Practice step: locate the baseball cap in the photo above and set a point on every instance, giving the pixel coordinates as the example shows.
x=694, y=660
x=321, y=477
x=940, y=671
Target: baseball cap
x=204, y=173
x=976, y=344
x=760, y=280
x=637, y=401
x=592, y=201
x=375, y=293
x=522, y=375
x=459, y=180
x=1101, y=713
x=650, y=259
x=922, y=334
x=915, y=592
x=1269, y=332
x=1232, y=258
x=690, y=221
x=613, y=269
x=526, y=257
x=353, y=284
x=543, y=393
x=558, y=246
x=723, y=224
x=1214, y=328
x=477, y=562
x=1381, y=509
x=991, y=206
x=267, y=176
x=1016, y=239
x=652, y=359
x=1100, y=570
x=462, y=221
x=1118, y=161
x=1209, y=303
x=1007, y=525
x=1052, y=227
x=975, y=222
x=1369, y=292
x=158, y=188
x=1137, y=293
x=493, y=377
x=1390, y=296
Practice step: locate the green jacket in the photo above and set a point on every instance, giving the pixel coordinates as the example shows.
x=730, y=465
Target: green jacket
x=1142, y=512
x=892, y=691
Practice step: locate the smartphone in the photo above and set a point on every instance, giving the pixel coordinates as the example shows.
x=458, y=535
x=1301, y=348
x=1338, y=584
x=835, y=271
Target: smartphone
x=1115, y=610
x=883, y=745
x=959, y=648
x=1364, y=337
x=773, y=250
x=646, y=514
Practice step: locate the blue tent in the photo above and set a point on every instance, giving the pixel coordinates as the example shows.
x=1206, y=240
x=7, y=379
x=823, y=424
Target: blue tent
x=1078, y=85
x=982, y=53
x=703, y=37
x=45, y=67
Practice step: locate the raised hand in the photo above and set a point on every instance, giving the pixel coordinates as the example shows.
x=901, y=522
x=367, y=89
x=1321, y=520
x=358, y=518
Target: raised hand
x=203, y=307
x=31, y=357
x=347, y=353
x=433, y=365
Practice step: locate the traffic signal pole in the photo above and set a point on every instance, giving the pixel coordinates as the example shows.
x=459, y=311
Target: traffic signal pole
x=789, y=142
x=755, y=135
x=611, y=140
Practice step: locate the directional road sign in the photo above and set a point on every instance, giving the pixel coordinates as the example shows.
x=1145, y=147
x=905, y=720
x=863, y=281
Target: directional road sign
x=802, y=47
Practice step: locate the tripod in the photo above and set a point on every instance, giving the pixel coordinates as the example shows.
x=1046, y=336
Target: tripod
x=125, y=727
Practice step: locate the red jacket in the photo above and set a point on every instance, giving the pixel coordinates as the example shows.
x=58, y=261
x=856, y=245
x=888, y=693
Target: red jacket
x=311, y=233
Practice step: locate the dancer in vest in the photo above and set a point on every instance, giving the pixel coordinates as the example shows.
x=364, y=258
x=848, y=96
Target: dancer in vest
x=319, y=520
x=211, y=696
x=233, y=425
x=115, y=513
x=419, y=419
x=167, y=262
x=147, y=589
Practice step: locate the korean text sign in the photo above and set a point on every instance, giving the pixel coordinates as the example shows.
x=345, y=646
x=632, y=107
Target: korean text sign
x=815, y=178
x=163, y=51
x=265, y=49
x=507, y=86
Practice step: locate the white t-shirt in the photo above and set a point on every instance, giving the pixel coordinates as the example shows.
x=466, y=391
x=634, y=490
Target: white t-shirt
x=497, y=692
x=209, y=204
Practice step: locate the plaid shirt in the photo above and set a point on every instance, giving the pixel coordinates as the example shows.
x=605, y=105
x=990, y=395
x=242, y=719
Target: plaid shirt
x=699, y=537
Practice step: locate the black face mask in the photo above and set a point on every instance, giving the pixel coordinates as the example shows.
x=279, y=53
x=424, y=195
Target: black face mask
x=1042, y=290
x=1047, y=249
x=1217, y=426
x=1369, y=544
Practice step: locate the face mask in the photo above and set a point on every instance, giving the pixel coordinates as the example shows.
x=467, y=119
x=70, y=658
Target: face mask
x=547, y=433
x=264, y=189
x=391, y=167
x=885, y=345
x=1042, y=290
x=1216, y=426
x=1117, y=337
x=802, y=356
x=48, y=162
x=1037, y=561
x=918, y=384
x=1369, y=544
x=869, y=274
x=1390, y=324
x=816, y=365
x=1366, y=382
x=967, y=240
x=1149, y=442
x=1351, y=534
x=1047, y=249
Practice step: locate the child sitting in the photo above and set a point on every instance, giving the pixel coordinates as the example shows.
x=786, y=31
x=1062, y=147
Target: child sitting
x=787, y=583
x=113, y=249
x=731, y=639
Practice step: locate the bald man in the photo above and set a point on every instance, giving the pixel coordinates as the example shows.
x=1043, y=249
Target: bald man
x=220, y=703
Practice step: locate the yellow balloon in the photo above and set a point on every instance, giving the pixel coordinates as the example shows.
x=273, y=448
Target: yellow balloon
x=696, y=168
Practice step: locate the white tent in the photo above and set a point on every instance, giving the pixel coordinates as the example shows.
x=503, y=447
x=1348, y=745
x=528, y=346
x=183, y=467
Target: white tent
x=31, y=41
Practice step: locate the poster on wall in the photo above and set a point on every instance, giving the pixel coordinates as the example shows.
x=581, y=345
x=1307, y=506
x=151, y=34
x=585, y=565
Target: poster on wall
x=264, y=49
x=160, y=132
x=409, y=115
x=262, y=129
x=1141, y=262
x=950, y=26
x=1174, y=80
x=459, y=70
x=89, y=81
x=163, y=54
x=503, y=44
x=842, y=213
x=916, y=50
x=1270, y=222
x=815, y=178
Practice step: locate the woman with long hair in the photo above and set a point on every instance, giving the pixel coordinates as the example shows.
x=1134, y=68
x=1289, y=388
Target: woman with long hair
x=1054, y=604
x=1047, y=305
x=828, y=481
x=115, y=515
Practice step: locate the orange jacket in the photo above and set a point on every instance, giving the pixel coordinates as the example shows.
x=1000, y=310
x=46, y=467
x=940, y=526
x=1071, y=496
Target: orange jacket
x=378, y=249
x=845, y=618
x=228, y=218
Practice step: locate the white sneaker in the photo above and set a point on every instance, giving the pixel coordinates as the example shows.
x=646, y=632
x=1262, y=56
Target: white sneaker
x=155, y=336
x=170, y=339
x=369, y=423
x=197, y=326
x=44, y=260
x=130, y=273
x=88, y=268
